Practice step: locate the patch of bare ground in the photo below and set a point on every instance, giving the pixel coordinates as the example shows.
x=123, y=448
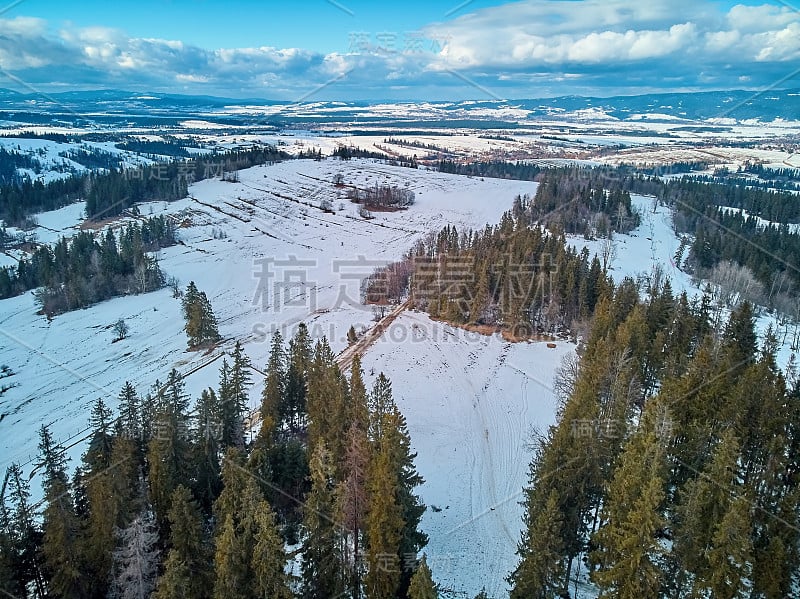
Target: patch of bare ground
x=512, y=335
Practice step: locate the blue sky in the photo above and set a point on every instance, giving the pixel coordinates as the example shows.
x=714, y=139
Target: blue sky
x=317, y=25
x=411, y=50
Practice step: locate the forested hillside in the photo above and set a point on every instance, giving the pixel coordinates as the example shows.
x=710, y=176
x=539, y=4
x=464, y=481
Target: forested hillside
x=173, y=497
x=724, y=221
x=108, y=194
x=673, y=468
x=672, y=471
x=89, y=268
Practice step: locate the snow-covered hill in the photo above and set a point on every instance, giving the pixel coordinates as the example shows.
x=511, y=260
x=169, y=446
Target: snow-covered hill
x=269, y=258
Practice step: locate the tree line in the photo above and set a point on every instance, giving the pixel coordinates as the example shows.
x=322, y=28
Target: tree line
x=673, y=469
x=110, y=193
x=172, y=502
x=89, y=268
x=11, y=161
x=768, y=252
x=515, y=275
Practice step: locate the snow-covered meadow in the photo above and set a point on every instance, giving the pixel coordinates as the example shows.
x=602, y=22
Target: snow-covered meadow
x=269, y=257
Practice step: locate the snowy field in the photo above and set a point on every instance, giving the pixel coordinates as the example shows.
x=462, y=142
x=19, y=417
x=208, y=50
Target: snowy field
x=268, y=258
x=470, y=421
x=472, y=403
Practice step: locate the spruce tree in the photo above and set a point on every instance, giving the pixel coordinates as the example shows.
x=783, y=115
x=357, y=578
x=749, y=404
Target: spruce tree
x=136, y=560
x=169, y=450
x=731, y=556
x=104, y=506
x=628, y=549
x=394, y=510
x=130, y=412
x=292, y=410
x=274, y=386
x=351, y=500
x=234, y=387
x=188, y=566
x=322, y=572
x=23, y=532
x=61, y=544
x=326, y=404
x=358, y=410
x=269, y=558
x=230, y=562
x=422, y=586
x=205, y=446
x=249, y=558
x=201, y=324
x=384, y=528
x=9, y=583
x=702, y=505
x=540, y=572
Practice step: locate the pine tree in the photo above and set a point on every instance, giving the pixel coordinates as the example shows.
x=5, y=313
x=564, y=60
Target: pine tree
x=321, y=566
x=104, y=507
x=292, y=410
x=9, y=584
x=23, y=533
x=126, y=482
x=540, y=572
x=422, y=586
x=269, y=558
x=567, y=466
x=62, y=529
x=136, y=560
x=358, y=410
x=703, y=504
x=130, y=412
x=740, y=339
x=628, y=548
x=326, y=404
x=351, y=499
x=391, y=481
x=384, y=528
x=235, y=533
x=412, y=539
x=230, y=563
x=98, y=455
x=249, y=558
x=187, y=568
x=201, y=324
x=731, y=556
x=274, y=388
x=169, y=451
x=206, y=447
x=234, y=398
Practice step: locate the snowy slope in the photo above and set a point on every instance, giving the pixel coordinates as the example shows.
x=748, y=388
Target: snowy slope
x=654, y=244
x=472, y=403
x=62, y=366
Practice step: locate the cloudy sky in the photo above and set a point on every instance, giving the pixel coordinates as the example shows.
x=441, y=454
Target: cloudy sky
x=408, y=50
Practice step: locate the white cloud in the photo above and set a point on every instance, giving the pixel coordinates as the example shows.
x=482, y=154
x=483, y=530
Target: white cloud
x=189, y=78
x=23, y=26
x=605, y=43
x=747, y=19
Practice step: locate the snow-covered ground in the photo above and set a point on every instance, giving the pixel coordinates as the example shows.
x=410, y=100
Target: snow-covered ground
x=470, y=420
x=654, y=245
x=269, y=258
x=472, y=403
x=280, y=260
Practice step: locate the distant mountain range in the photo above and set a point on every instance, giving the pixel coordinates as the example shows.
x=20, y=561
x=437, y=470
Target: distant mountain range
x=115, y=106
